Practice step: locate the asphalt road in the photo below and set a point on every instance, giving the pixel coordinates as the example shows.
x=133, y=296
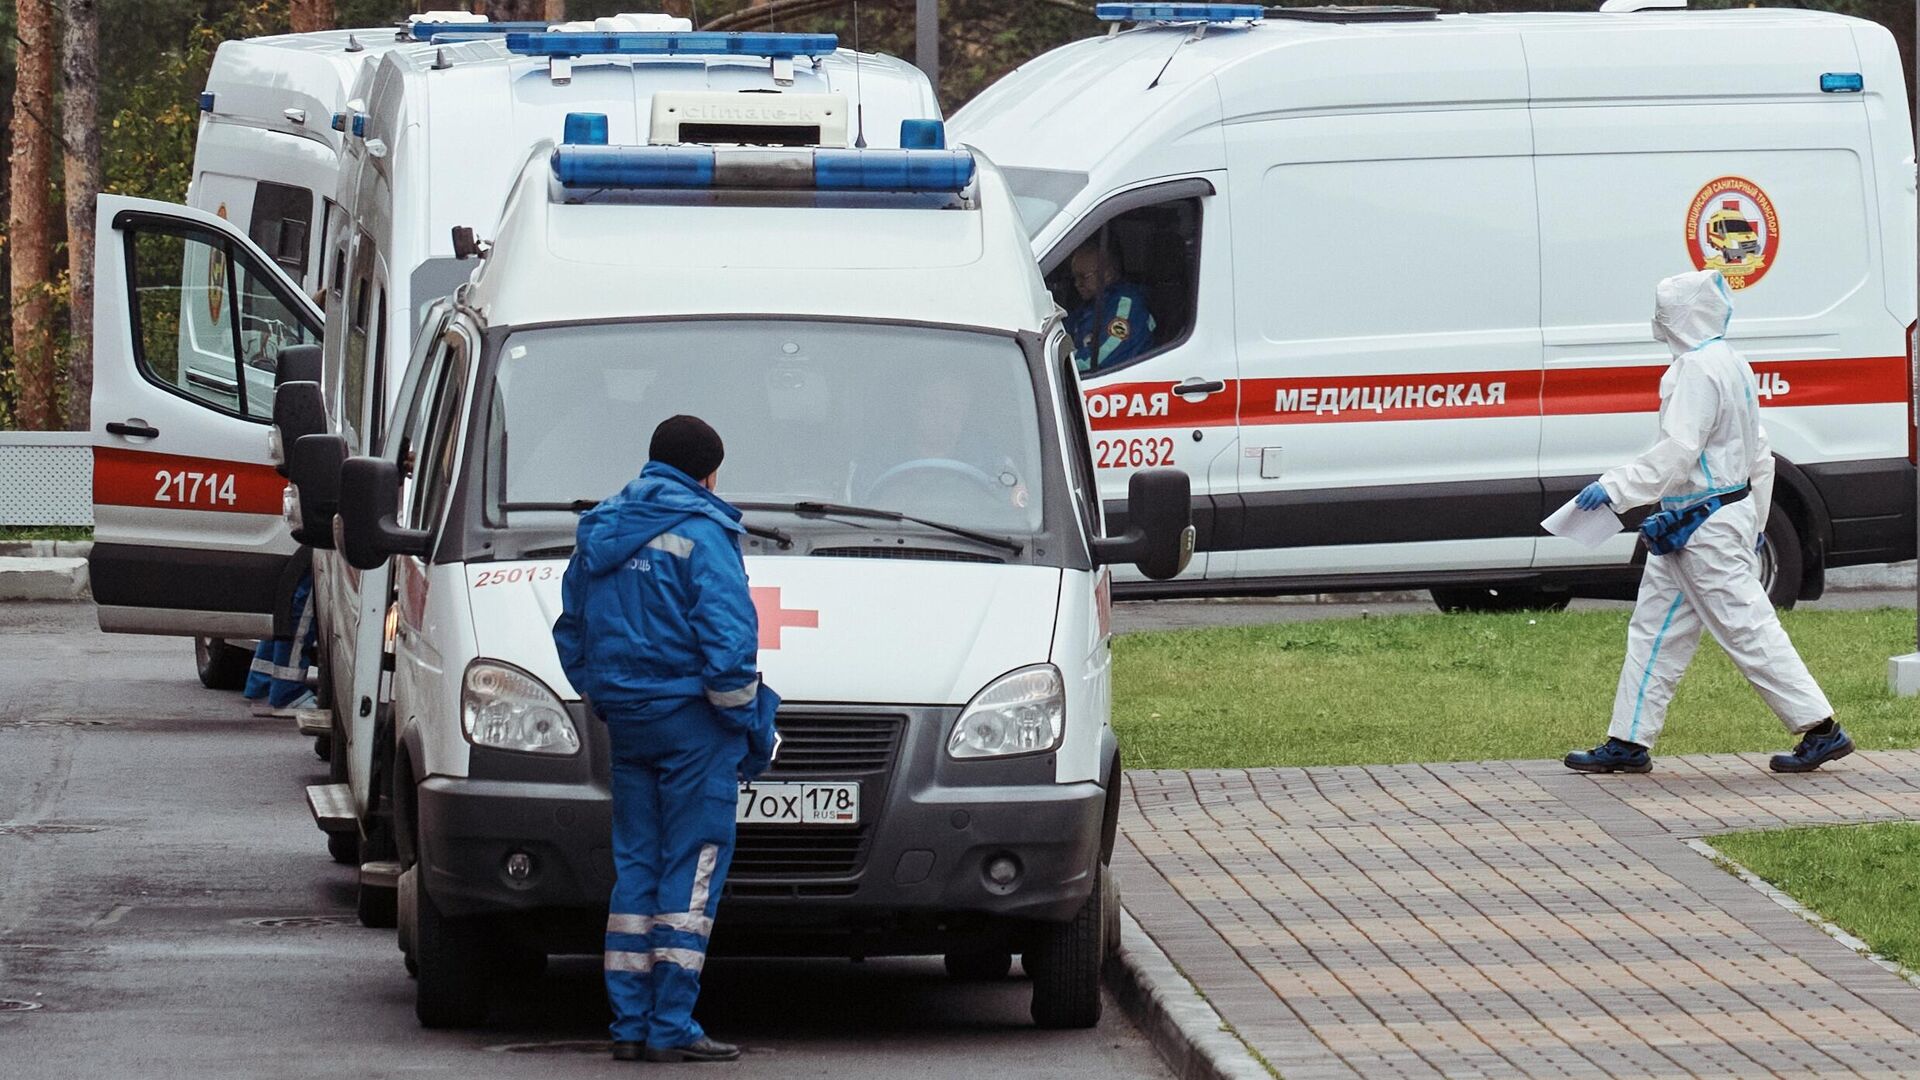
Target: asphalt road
x=167, y=903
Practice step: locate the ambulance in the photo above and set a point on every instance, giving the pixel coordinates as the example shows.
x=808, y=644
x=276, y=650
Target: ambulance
x=1400, y=269
x=869, y=333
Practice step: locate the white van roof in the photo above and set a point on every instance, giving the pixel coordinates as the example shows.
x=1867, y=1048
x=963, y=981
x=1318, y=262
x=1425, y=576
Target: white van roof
x=560, y=261
x=1149, y=101
x=256, y=80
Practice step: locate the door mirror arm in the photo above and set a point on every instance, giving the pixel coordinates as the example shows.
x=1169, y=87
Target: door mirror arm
x=1160, y=534
x=369, y=532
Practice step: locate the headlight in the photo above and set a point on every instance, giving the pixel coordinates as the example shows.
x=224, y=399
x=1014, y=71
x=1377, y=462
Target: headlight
x=290, y=506
x=1021, y=712
x=507, y=708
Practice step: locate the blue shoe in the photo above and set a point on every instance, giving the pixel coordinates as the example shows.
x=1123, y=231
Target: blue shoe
x=1614, y=755
x=1827, y=742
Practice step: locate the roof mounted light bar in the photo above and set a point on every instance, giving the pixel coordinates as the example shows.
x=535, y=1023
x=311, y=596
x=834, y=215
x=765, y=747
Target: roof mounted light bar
x=1205, y=13
x=811, y=169
x=426, y=30
x=567, y=45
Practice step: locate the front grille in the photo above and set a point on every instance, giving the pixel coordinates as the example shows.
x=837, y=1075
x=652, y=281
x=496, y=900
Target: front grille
x=781, y=851
x=813, y=746
x=927, y=554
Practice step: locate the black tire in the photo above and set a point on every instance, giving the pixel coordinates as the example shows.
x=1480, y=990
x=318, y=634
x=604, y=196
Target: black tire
x=521, y=963
x=378, y=907
x=1065, y=961
x=1782, y=561
x=980, y=965
x=453, y=968
x=1490, y=598
x=344, y=847
x=323, y=747
x=221, y=666
x=337, y=752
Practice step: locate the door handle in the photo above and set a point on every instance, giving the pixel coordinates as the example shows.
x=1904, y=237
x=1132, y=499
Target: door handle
x=1200, y=386
x=136, y=428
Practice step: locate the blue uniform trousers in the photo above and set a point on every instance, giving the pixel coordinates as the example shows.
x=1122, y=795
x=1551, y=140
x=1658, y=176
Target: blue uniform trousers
x=279, y=669
x=674, y=790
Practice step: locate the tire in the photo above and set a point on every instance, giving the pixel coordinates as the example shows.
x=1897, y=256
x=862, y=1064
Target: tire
x=337, y=752
x=1782, y=561
x=344, y=847
x=221, y=666
x=1065, y=963
x=1492, y=598
x=521, y=963
x=979, y=965
x=323, y=747
x=1110, y=910
x=378, y=908
x=454, y=968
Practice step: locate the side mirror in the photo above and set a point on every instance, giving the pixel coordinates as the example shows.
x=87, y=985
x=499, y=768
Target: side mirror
x=298, y=411
x=297, y=363
x=1159, y=536
x=314, y=468
x=367, y=530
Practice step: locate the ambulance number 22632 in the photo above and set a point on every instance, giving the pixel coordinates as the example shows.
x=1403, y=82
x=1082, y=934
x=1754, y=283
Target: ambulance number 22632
x=209, y=489
x=1132, y=453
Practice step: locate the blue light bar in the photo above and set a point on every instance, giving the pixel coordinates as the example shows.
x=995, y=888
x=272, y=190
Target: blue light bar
x=1211, y=13
x=427, y=31
x=206, y=101
x=339, y=122
x=585, y=129
x=360, y=125
x=923, y=135
x=1842, y=82
x=644, y=167
x=657, y=43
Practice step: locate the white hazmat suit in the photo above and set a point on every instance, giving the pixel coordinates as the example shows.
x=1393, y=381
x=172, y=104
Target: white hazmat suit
x=1711, y=443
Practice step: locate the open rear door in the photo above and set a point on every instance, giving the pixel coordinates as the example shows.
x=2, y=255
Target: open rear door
x=189, y=322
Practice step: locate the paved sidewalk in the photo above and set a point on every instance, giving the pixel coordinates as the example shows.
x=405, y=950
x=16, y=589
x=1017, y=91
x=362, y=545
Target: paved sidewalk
x=1513, y=919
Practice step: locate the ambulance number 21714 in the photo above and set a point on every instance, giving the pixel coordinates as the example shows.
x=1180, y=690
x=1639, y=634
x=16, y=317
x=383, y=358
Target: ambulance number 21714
x=1132, y=453
x=207, y=489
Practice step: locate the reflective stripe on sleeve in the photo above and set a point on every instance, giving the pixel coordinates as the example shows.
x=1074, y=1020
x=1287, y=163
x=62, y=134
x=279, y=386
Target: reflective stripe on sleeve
x=672, y=544
x=733, y=699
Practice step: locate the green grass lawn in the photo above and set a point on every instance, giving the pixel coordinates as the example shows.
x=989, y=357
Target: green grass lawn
x=1466, y=688
x=45, y=532
x=1863, y=878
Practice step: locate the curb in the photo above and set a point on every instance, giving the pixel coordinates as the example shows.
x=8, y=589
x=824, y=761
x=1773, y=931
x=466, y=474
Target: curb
x=43, y=578
x=1185, y=1031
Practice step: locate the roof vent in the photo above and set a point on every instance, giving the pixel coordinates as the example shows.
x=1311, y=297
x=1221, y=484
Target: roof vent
x=1612, y=6
x=1356, y=13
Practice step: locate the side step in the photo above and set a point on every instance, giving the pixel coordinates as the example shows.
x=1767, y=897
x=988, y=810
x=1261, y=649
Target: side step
x=332, y=807
x=313, y=721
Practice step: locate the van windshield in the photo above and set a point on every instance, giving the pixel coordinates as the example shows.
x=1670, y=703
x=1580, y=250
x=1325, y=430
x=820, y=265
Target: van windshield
x=935, y=423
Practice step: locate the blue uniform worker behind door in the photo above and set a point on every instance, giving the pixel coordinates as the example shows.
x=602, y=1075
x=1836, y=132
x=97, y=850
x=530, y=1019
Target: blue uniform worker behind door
x=658, y=630
x=1113, y=324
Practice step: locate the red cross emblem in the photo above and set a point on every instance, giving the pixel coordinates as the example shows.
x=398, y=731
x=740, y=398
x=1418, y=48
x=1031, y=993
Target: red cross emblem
x=774, y=618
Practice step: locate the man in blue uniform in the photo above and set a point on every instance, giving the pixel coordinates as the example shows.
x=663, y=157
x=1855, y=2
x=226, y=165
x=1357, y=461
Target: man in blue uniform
x=658, y=630
x=1113, y=325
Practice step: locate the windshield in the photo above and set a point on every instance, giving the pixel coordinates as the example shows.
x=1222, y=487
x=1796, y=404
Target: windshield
x=1040, y=194
x=935, y=423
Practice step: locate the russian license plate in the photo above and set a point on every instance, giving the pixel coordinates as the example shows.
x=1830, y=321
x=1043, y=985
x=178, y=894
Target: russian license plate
x=798, y=804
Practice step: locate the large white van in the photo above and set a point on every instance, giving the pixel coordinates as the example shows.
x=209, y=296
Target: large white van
x=1400, y=267
x=869, y=333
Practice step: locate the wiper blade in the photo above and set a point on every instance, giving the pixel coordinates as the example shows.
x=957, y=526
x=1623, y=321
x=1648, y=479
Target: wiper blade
x=825, y=509
x=581, y=506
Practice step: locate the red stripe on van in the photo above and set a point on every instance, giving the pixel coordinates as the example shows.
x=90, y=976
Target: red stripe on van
x=1870, y=381
x=171, y=482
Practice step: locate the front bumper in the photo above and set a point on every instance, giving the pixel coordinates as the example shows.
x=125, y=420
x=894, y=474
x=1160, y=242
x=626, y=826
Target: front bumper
x=914, y=869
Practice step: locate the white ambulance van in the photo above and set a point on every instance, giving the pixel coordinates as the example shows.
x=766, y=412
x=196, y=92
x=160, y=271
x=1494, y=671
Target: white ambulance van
x=1399, y=267
x=868, y=331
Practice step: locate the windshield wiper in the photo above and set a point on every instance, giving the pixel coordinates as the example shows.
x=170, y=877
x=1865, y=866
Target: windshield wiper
x=825, y=509
x=581, y=506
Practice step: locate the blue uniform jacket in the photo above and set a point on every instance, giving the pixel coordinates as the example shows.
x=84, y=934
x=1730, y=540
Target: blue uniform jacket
x=1114, y=328
x=655, y=605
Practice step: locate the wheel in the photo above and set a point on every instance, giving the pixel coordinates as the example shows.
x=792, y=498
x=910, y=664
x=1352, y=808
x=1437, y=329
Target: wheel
x=406, y=896
x=1487, y=598
x=323, y=747
x=221, y=666
x=344, y=847
x=453, y=965
x=1782, y=560
x=980, y=965
x=521, y=963
x=378, y=908
x=337, y=752
x=1111, y=910
x=1064, y=961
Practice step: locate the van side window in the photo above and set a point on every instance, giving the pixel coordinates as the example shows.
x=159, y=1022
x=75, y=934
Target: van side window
x=377, y=407
x=282, y=220
x=1130, y=289
x=1086, y=491
x=440, y=447
x=354, y=379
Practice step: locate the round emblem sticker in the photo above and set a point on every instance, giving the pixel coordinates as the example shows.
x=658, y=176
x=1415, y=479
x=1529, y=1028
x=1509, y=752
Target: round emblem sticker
x=1732, y=228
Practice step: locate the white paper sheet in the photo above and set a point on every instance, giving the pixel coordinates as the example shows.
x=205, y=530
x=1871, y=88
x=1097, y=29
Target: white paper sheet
x=1589, y=527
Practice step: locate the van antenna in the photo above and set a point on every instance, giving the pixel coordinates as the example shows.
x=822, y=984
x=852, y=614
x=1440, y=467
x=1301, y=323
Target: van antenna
x=859, y=99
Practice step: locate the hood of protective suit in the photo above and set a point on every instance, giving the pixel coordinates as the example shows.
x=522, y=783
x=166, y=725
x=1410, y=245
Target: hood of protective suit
x=1690, y=310
x=657, y=500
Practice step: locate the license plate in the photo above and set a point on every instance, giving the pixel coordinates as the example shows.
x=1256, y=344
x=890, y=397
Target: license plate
x=798, y=804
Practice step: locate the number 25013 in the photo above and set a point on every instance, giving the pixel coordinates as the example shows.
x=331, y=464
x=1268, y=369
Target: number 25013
x=207, y=489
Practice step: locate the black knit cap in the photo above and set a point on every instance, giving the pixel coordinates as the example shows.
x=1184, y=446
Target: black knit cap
x=689, y=444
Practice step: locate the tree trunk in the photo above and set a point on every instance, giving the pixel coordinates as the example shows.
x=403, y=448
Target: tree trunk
x=29, y=248
x=307, y=16
x=556, y=11
x=80, y=125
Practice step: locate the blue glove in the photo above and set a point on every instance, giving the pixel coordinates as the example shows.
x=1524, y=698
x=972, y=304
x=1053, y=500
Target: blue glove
x=759, y=755
x=1760, y=543
x=1593, y=497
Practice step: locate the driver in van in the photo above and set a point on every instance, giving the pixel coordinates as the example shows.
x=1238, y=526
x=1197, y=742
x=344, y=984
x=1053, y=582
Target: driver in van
x=658, y=630
x=950, y=434
x=1112, y=325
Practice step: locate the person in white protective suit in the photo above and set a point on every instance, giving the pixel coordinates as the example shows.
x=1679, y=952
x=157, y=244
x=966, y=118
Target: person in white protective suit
x=1712, y=475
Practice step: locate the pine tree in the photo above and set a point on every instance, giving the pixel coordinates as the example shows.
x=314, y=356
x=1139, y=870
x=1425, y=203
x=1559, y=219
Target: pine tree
x=29, y=237
x=80, y=171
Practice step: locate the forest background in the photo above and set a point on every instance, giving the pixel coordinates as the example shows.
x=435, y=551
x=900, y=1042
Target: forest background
x=100, y=95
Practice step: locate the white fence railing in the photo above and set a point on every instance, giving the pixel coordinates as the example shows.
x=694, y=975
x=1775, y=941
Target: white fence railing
x=46, y=478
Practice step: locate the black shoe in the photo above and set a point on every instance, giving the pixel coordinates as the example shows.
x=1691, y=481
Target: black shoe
x=629, y=1051
x=1614, y=755
x=704, y=1049
x=1828, y=742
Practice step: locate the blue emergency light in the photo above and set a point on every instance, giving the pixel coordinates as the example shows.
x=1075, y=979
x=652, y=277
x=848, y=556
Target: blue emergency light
x=1842, y=82
x=360, y=125
x=821, y=169
x=562, y=44
x=923, y=134
x=339, y=122
x=206, y=101
x=1210, y=13
x=585, y=129
x=427, y=31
